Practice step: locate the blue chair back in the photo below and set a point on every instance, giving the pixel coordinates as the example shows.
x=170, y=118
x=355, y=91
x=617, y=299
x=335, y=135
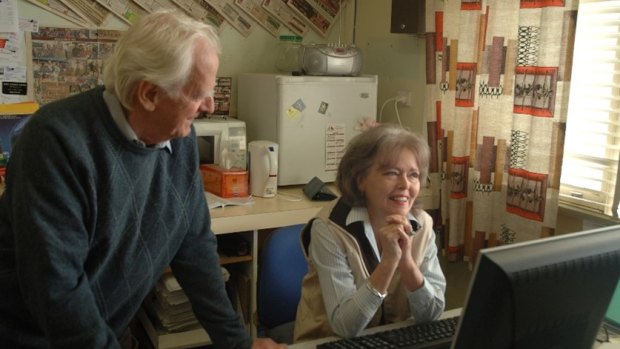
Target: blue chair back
x=282, y=267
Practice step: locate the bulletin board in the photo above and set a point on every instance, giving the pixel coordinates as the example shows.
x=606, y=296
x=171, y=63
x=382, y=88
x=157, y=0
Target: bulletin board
x=67, y=61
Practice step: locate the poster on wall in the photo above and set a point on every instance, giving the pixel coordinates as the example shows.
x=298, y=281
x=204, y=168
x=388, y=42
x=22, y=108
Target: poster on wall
x=16, y=85
x=237, y=18
x=68, y=61
x=60, y=9
x=91, y=10
x=202, y=11
x=284, y=14
x=331, y=8
x=221, y=97
x=254, y=9
x=13, y=83
x=151, y=6
x=211, y=15
x=8, y=16
x=125, y=10
x=320, y=14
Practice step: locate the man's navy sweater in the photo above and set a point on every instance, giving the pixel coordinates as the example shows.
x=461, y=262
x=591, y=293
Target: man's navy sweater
x=88, y=222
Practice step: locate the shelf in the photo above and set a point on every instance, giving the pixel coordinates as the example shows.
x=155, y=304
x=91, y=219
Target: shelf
x=234, y=259
x=224, y=260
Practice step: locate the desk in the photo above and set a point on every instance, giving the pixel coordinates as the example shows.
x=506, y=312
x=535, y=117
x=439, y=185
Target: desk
x=289, y=207
x=449, y=313
x=606, y=346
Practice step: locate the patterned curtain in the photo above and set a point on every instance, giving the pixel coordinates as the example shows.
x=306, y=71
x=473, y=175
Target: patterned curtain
x=497, y=76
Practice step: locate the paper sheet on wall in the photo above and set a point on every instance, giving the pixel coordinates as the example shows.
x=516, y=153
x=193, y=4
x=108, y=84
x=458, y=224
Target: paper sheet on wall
x=10, y=47
x=202, y=11
x=8, y=16
x=60, y=9
x=13, y=83
x=254, y=9
x=14, y=61
x=90, y=10
x=320, y=21
x=125, y=10
x=151, y=6
x=67, y=61
x=334, y=145
x=285, y=15
x=236, y=17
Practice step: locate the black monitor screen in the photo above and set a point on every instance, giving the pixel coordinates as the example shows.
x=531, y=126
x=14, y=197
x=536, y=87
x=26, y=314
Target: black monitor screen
x=547, y=293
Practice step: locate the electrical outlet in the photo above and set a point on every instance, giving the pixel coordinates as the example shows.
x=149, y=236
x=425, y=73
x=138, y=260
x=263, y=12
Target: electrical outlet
x=404, y=98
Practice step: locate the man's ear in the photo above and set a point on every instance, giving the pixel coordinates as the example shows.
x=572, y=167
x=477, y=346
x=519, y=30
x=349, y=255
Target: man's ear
x=147, y=95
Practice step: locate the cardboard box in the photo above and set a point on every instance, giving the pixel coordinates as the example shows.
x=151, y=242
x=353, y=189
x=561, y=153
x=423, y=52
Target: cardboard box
x=231, y=183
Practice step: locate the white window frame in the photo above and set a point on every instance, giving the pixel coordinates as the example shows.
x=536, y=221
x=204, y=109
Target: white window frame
x=592, y=143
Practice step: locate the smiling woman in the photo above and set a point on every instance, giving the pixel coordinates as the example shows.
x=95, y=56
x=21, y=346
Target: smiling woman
x=372, y=255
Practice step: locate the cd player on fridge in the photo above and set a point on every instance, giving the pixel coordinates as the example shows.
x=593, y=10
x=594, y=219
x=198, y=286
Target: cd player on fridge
x=330, y=60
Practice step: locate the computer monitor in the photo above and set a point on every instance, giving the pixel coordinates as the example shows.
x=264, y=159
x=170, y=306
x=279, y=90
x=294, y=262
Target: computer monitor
x=546, y=293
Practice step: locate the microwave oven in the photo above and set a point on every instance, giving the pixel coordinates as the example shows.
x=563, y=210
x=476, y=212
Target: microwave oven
x=222, y=142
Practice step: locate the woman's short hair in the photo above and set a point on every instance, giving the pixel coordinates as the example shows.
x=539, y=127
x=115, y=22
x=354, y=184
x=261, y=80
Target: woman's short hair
x=158, y=48
x=382, y=143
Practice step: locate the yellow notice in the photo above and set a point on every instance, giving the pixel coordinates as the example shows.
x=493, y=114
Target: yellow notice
x=23, y=108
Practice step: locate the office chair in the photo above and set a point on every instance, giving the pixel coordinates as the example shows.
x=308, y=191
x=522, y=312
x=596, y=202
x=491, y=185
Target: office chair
x=282, y=267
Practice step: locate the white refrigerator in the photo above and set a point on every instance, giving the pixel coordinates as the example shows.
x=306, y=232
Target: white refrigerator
x=311, y=118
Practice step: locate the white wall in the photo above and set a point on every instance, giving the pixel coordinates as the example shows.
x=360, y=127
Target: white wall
x=398, y=59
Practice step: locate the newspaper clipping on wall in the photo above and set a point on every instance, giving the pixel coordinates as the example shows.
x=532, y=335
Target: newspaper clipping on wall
x=68, y=61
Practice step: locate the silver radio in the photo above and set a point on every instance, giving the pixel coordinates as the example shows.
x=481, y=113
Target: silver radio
x=330, y=60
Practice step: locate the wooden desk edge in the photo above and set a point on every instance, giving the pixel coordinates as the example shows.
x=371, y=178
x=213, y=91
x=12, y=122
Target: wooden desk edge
x=266, y=220
x=313, y=343
x=267, y=213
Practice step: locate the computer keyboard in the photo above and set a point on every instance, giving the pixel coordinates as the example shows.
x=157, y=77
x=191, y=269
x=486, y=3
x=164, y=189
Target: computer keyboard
x=429, y=335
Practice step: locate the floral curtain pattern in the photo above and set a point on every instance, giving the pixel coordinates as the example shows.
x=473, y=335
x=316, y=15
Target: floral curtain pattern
x=497, y=79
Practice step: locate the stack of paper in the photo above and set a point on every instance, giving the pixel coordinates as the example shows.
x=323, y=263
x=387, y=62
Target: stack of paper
x=218, y=201
x=171, y=306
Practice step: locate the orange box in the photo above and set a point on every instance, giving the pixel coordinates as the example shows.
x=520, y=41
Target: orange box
x=231, y=183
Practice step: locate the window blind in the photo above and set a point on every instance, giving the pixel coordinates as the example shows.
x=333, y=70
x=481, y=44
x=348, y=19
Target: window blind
x=592, y=144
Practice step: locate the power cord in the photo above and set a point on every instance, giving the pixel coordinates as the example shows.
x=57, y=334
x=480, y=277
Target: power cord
x=396, y=100
x=608, y=333
x=289, y=197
